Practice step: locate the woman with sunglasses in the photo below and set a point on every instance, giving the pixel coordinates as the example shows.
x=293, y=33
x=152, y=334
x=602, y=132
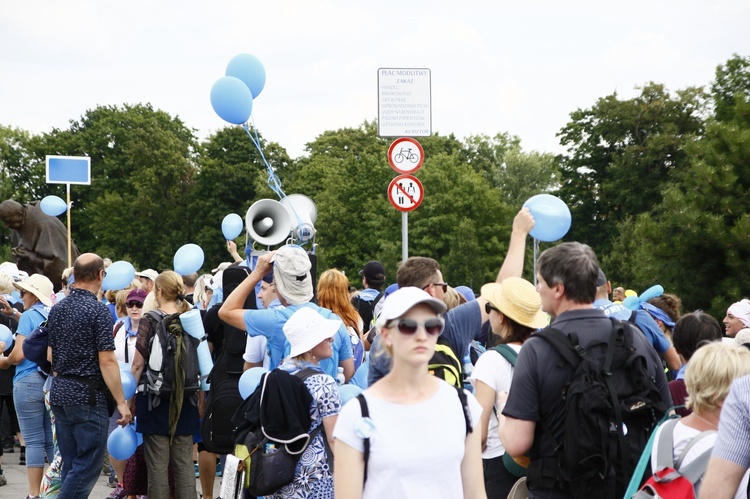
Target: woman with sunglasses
x=514, y=308
x=416, y=433
x=28, y=382
x=125, y=332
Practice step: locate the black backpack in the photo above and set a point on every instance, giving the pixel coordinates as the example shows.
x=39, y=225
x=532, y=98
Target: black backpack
x=224, y=394
x=157, y=379
x=366, y=309
x=611, y=406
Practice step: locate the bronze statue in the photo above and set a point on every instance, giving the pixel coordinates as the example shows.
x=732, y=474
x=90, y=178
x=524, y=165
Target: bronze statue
x=39, y=242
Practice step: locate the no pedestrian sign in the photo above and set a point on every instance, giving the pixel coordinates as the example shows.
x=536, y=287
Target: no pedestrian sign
x=405, y=155
x=405, y=193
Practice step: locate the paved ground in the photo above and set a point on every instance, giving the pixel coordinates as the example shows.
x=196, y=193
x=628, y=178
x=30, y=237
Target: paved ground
x=18, y=485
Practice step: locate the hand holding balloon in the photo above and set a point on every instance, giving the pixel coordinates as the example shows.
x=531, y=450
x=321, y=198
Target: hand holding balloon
x=523, y=222
x=551, y=216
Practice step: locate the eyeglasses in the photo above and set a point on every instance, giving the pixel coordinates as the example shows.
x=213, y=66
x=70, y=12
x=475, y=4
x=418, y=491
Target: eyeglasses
x=135, y=304
x=488, y=307
x=408, y=327
x=444, y=285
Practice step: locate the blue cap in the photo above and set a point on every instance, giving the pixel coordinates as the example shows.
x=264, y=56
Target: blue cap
x=466, y=292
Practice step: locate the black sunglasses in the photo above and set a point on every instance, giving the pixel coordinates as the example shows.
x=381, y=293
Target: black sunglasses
x=135, y=304
x=488, y=307
x=408, y=327
x=443, y=285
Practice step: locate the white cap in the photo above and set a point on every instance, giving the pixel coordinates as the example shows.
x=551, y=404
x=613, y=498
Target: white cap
x=404, y=299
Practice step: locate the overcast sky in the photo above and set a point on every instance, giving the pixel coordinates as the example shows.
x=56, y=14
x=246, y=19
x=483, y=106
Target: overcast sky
x=497, y=66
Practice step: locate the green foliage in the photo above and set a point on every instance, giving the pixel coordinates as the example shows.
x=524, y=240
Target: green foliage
x=620, y=155
x=696, y=242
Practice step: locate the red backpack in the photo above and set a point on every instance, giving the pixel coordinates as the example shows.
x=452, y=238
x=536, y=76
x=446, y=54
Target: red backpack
x=672, y=479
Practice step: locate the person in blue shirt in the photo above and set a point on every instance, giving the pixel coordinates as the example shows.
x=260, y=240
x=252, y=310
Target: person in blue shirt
x=291, y=270
x=643, y=321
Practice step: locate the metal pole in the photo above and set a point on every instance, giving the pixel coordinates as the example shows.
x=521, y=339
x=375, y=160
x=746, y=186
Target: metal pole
x=536, y=256
x=70, y=254
x=404, y=235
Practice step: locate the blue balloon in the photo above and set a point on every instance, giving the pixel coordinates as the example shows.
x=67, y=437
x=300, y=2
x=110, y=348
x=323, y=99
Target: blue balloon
x=53, y=206
x=250, y=70
x=250, y=379
x=6, y=336
x=631, y=302
x=188, y=259
x=652, y=292
x=231, y=226
x=348, y=392
x=232, y=100
x=128, y=383
x=551, y=217
x=119, y=275
x=139, y=439
x=122, y=442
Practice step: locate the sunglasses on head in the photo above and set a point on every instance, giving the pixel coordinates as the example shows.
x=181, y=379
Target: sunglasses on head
x=434, y=327
x=135, y=304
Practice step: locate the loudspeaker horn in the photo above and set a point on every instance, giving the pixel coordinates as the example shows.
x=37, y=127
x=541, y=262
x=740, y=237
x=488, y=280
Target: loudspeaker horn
x=302, y=214
x=268, y=222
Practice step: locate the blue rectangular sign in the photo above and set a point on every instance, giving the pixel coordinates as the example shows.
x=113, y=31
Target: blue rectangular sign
x=69, y=170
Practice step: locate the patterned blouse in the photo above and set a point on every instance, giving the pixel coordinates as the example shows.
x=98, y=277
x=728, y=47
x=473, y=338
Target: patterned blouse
x=314, y=474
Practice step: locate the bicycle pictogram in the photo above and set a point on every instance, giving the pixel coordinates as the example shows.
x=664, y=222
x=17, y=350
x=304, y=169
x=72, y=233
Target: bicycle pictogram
x=409, y=155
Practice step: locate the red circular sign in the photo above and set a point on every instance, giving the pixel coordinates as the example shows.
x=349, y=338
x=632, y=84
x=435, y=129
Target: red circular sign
x=405, y=155
x=405, y=193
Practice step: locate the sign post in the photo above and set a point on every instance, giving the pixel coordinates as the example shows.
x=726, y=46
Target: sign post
x=68, y=170
x=405, y=192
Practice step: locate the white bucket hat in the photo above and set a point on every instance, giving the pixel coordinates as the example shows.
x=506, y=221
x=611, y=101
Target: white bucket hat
x=306, y=328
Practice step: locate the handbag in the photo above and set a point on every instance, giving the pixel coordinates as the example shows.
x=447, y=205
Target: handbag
x=270, y=467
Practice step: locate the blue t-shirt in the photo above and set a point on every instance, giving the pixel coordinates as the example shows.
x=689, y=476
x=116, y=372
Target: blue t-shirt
x=643, y=320
x=270, y=323
x=462, y=324
x=29, y=321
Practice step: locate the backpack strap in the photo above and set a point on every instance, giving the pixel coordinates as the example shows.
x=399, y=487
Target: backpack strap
x=365, y=440
x=632, y=317
x=695, y=469
x=465, y=407
x=566, y=346
x=665, y=445
x=507, y=352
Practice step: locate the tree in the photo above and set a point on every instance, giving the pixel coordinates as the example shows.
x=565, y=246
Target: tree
x=229, y=180
x=142, y=165
x=620, y=155
x=696, y=242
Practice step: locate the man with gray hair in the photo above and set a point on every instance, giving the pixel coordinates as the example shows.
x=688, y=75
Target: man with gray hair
x=291, y=270
x=533, y=420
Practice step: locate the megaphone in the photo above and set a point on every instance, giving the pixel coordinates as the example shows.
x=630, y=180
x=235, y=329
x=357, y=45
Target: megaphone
x=302, y=214
x=268, y=222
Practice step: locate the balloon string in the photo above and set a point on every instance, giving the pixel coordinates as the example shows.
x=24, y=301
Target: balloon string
x=274, y=182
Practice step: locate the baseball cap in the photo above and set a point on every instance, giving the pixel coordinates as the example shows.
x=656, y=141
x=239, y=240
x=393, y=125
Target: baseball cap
x=404, y=299
x=373, y=271
x=148, y=274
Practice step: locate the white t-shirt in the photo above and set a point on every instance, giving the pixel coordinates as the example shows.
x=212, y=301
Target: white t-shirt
x=416, y=449
x=494, y=371
x=256, y=351
x=683, y=434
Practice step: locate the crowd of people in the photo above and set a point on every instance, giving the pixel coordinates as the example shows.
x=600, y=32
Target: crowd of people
x=490, y=421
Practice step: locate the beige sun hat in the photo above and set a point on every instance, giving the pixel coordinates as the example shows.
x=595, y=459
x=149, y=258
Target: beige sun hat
x=306, y=328
x=38, y=285
x=518, y=299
